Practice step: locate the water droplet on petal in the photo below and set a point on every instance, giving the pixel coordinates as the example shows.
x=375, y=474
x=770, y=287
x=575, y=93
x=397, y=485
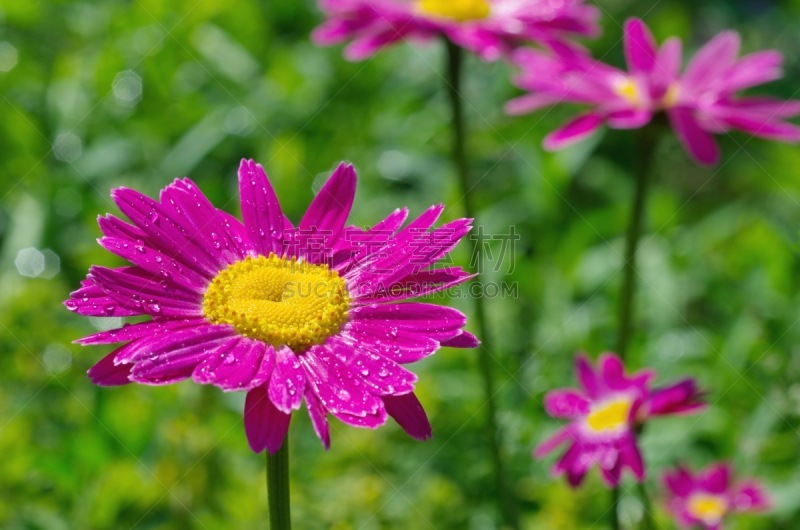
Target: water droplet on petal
x=229, y=359
x=343, y=394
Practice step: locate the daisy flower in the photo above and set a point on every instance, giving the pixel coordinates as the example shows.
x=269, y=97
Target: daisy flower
x=605, y=415
x=699, y=102
x=488, y=27
x=315, y=312
x=703, y=500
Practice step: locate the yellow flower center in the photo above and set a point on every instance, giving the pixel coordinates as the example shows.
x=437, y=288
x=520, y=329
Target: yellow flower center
x=707, y=508
x=459, y=10
x=610, y=416
x=278, y=301
x=670, y=98
x=628, y=89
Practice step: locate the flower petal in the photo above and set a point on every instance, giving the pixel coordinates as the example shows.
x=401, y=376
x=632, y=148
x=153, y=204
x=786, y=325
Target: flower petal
x=714, y=58
x=261, y=210
x=107, y=373
x=408, y=412
x=319, y=417
x=640, y=46
x=716, y=478
x=574, y=131
x=699, y=143
x=328, y=212
x=587, y=377
x=680, y=398
x=566, y=403
x=265, y=425
x=288, y=382
x=550, y=444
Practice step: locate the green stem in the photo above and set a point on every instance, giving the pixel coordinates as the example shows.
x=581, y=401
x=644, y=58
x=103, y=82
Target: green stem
x=647, y=139
x=505, y=499
x=615, y=508
x=648, y=523
x=278, y=488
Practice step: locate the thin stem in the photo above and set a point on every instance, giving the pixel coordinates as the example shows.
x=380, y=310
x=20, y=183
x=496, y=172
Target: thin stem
x=648, y=523
x=506, y=501
x=278, y=488
x=647, y=139
x=615, y=508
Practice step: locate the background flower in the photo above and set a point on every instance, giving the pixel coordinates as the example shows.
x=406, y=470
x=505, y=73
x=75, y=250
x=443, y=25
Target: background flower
x=706, y=498
x=248, y=307
x=488, y=27
x=700, y=102
x=604, y=416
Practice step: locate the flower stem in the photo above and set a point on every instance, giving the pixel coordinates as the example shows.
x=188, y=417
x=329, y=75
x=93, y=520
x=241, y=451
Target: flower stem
x=278, y=488
x=615, y=508
x=485, y=361
x=647, y=520
x=646, y=141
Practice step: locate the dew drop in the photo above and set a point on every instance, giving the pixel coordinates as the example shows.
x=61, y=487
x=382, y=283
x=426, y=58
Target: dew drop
x=229, y=359
x=365, y=372
x=140, y=248
x=109, y=308
x=343, y=394
x=383, y=372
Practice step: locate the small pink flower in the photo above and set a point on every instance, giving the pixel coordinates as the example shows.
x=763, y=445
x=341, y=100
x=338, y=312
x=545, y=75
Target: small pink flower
x=706, y=498
x=700, y=102
x=488, y=27
x=604, y=417
x=315, y=313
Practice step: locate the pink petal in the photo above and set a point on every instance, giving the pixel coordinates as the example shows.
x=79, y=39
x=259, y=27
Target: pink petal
x=464, y=340
x=750, y=497
x=265, y=425
x=712, y=59
x=91, y=301
x=288, y=382
x=371, y=420
x=754, y=69
x=668, y=62
x=407, y=411
x=612, y=372
x=679, y=481
x=129, y=289
x=336, y=385
x=329, y=210
x=587, y=377
x=319, y=417
x=238, y=364
x=530, y=103
x=160, y=266
x=107, y=373
x=261, y=211
x=699, y=143
x=553, y=442
x=629, y=118
x=716, y=478
x=165, y=227
x=640, y=46
x=681, y=397
x=566, y=404
x=150, y=329
x=574, y=131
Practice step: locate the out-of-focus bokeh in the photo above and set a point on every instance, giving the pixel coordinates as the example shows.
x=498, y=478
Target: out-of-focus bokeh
x=95, y=95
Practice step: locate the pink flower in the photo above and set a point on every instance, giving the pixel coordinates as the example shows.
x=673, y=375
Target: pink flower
x=604, y=417
x=700, y=102
x=706, y=498
x=284, y=313
x=488, y=27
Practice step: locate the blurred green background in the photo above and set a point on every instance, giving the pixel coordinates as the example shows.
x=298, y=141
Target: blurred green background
x=95, y=95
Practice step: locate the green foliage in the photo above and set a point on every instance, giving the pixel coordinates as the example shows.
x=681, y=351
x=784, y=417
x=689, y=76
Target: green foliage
x=104, y=94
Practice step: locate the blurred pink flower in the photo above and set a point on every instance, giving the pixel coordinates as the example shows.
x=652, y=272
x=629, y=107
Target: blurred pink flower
x=700, y=102
x=488, y=27
x=313, y=313
x=706, y=498
x=604, y=417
